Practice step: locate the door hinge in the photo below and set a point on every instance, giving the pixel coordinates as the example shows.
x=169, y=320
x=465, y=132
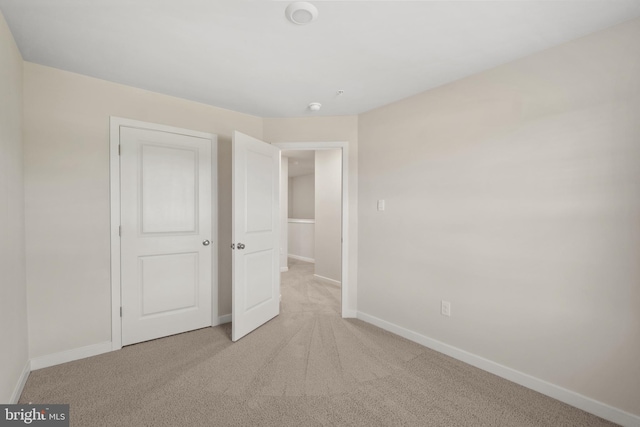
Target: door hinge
x=119, y=149
x=120, y=311
x=120, y=230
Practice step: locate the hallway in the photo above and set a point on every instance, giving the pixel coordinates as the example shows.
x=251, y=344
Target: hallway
x=302, y=292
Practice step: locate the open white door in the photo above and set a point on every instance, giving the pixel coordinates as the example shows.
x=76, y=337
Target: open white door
x=256, y=234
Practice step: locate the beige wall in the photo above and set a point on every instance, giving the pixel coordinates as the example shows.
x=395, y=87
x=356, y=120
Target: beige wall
x=328, y=204
x=301, y=235
x=303, y=197
x=324, y=129
x=515, y=195
x=67, y=196
x=13, y=290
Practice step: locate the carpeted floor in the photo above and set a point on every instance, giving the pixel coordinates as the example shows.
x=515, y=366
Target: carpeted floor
x=307, y=367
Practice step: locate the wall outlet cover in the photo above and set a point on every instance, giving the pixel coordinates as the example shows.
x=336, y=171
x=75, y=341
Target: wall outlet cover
x=445, y=308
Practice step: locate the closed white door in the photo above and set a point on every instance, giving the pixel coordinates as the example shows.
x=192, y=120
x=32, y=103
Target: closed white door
x=166, y=233
x=256, y=234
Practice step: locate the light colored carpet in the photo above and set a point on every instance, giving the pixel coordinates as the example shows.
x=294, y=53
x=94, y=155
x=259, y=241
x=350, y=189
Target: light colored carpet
x=307, y=367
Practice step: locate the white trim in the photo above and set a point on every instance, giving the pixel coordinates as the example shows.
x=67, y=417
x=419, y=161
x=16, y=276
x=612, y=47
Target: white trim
x=350, y=314
x=562, y=394
x=224, y=319
x=214, y=229
x=24, y=376
x=301, y=221
x=302, y=258
x=327, y=280
x=70, y=355
x=114, y=189
x=284, y=269
x=344, y=146
x=115, y=123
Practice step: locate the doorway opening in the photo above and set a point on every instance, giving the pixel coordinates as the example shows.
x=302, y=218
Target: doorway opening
x=313, y=221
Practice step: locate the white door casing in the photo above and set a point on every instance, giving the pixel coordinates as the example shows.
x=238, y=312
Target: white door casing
x=255, y=235
x=349, y=291
x=166, y=236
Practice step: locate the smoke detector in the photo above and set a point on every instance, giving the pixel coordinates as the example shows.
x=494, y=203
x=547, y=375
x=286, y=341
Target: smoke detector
x=315, y=106
x=301, y=12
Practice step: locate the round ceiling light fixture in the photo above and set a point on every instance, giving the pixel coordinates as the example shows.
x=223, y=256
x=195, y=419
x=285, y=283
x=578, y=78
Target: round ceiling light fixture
x=315, y=106
x=301, y=12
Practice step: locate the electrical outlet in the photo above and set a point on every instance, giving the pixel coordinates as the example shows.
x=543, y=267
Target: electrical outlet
x=445, y=308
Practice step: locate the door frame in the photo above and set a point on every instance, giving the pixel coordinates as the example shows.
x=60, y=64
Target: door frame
x=115, y=123
x=344, y=147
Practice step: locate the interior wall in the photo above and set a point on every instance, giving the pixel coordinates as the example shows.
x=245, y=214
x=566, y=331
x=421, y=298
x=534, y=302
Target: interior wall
x=301, y=237
x=13, y=292
x=66, y=134
x=303, y=197
x=328, y=211
x=324, y=129
x=515, y=195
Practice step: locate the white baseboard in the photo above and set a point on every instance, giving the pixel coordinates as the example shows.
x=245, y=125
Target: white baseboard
x=327, y=280
x=70, y=355
x=562, y=394
x=224, y=319
x=302, y=258
x=17, y=391
x=283, y=269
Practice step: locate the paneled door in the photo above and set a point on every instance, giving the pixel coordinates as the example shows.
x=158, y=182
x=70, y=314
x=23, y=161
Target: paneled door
x=166, y=258
x=255, y=235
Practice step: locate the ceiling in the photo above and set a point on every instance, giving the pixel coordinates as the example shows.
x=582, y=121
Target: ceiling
x=245, y=56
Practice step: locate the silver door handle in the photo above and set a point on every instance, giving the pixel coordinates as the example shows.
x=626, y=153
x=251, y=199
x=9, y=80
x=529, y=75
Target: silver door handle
x=241, y=246
x=206, y=243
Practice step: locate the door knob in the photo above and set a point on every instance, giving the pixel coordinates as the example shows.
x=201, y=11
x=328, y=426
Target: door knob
x=206, y=243
x=240, y=245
